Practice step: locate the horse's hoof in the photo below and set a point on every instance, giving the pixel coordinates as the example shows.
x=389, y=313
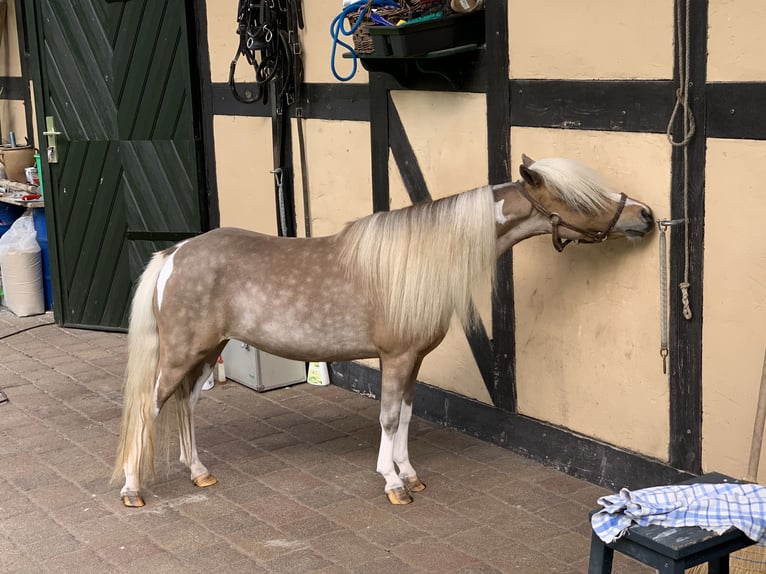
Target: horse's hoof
x=413, y=484
x=206, y=479
x=132, y=500
x=399, y=496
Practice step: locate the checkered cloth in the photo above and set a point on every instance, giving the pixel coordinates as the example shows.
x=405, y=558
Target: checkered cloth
x=715, y=507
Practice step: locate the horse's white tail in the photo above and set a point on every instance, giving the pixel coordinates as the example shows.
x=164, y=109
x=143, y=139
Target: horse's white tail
x=138, y=409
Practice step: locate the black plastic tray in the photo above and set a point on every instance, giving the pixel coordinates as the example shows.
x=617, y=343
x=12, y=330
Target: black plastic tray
x=421, y=38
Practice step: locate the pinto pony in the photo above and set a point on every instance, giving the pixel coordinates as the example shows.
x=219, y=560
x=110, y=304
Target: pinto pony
x=385, y=287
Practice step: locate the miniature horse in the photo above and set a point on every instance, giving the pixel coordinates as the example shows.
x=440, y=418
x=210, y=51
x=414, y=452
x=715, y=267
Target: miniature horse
x=386, y=286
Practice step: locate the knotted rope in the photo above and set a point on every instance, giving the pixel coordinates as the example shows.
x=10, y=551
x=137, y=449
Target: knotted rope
x=683, y=40
x=689, y=127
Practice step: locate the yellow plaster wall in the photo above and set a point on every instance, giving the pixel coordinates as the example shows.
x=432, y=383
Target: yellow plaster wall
x=590, y=39
x=243, y=162
x=735, y=41
x=448, y=133
x=734, y=325
x=587, y=320
x=340, y=184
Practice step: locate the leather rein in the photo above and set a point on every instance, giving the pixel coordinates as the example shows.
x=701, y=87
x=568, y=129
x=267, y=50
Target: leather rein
x=556, y=222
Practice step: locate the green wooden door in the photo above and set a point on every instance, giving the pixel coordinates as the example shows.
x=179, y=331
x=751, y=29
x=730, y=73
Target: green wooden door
x=114, y=76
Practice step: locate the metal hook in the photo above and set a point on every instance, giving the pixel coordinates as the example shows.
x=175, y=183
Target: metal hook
x=277, y=175
x=668, y=223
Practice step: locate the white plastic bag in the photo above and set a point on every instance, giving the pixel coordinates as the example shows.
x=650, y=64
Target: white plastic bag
x=22, y=268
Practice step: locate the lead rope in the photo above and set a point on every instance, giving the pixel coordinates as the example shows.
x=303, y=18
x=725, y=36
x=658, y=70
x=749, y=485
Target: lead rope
x=689, y=128
x=682, y=101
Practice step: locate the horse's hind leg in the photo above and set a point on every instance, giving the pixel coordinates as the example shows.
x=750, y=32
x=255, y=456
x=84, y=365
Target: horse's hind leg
x=189, y=456
x=396, y=373
x=401, y=452
x=130, y=493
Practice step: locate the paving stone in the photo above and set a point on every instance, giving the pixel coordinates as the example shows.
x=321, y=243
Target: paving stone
x=299, y=561
x=526, y=527
x=297, y=490
x=263, y=542
x=526, y=495
x=439, y=520
x=219, y=556
x=432, y=556
x=53, y=546
x=82, y=561
x=349, y=551
x=385, y=565
x=391, y=533
x=518, y=558
x=356, y=514
x=570, y=547
x=312, y=526
x=277, y=510
x=64, y=493
x=289, y=480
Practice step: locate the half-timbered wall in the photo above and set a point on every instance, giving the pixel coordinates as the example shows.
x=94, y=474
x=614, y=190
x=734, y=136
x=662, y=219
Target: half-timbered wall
x=565, y=367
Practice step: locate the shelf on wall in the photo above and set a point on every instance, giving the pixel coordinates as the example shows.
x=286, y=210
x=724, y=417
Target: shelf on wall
x=449, y=65
x=443, y=47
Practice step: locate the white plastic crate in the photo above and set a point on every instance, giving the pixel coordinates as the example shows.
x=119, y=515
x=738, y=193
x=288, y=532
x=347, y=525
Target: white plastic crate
x=259, y=370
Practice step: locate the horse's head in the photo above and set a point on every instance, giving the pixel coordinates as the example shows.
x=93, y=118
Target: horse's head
x=572, y=203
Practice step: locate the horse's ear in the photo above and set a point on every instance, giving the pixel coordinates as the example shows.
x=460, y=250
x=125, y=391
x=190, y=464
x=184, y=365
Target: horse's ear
x=526, y=160
x=531, y=177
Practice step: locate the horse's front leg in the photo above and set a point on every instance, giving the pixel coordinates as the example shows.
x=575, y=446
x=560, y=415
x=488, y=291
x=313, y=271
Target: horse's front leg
x=401, y=453
x=395, y=373
x=189, y=456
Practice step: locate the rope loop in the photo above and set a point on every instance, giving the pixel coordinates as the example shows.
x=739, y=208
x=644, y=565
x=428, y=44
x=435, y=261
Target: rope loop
x=690, y=127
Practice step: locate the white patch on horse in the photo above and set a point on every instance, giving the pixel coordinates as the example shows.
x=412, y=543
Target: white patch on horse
x=156, y=390
x=499, y=215
x=616, y=197
x=165, y=273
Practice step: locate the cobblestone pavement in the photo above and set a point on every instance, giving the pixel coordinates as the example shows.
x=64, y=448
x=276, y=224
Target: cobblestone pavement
x=297, y=487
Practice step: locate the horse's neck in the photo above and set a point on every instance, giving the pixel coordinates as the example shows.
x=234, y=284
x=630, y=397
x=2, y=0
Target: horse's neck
x=522, y=223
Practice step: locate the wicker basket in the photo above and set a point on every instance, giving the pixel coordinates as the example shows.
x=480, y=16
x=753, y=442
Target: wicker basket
x=362, y=38
x=409, y=9
x=750, y=560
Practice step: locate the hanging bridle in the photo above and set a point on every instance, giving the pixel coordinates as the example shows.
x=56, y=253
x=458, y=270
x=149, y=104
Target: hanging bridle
x=556, y=222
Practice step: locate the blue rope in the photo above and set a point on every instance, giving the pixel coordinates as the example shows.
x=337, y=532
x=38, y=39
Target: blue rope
x=337, y=28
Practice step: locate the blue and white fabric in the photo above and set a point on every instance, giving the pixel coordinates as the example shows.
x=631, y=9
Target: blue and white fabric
x=715, y=507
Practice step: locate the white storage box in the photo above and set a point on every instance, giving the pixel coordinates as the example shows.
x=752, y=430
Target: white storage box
x=258, y=370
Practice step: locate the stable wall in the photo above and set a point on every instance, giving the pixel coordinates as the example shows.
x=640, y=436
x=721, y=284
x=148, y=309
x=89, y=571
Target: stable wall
x=587, y=321
x=573, y=348
x=734, y=337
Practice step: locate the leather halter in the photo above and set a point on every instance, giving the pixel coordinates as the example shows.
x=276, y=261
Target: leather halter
x=557, y=221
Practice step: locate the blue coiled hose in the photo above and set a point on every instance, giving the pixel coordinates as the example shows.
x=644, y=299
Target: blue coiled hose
x=337, y=29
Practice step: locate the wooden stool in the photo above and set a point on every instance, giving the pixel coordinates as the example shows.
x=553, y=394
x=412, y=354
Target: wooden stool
x=672, y=549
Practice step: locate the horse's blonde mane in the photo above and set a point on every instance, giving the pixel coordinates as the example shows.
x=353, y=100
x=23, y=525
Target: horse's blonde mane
x=578, y=185
x=421, y=263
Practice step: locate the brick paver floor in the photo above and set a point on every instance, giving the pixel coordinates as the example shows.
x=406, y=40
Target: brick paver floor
x=298, y=490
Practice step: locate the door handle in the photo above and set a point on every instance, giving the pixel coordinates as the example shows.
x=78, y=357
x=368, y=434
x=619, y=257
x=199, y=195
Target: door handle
x=51, y=133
